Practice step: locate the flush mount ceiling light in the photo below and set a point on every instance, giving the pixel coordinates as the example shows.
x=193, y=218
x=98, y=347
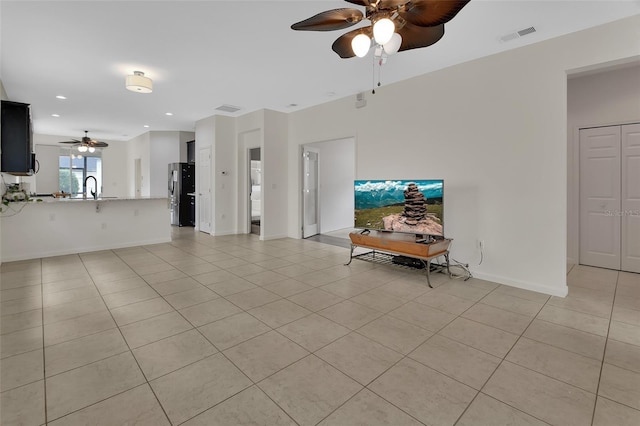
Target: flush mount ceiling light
x=139, y=83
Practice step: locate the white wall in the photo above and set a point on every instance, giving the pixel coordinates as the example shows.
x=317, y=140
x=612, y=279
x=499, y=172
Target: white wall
x=225, y=177
x=139, y=147
x=337, y=173
x=164, y=148
x=275, y=178
x=495, y=130
x=605, y=98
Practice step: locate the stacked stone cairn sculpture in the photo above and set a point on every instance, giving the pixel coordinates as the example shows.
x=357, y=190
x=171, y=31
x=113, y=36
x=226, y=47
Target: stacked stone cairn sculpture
x=414, y=205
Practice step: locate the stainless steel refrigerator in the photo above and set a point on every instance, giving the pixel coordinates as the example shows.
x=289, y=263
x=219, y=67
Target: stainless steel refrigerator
x=182, y=184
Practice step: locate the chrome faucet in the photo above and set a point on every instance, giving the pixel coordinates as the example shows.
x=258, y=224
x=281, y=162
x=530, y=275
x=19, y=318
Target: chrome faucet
x=94, y=194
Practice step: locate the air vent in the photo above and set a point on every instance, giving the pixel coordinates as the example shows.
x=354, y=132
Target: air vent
x=526, y=31
x=228, y=108
x=517, y=34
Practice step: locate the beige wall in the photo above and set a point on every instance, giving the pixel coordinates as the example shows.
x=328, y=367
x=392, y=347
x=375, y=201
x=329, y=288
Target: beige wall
x=495, y=129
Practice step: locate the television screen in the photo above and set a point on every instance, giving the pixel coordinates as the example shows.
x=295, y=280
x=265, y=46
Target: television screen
x=413, y=206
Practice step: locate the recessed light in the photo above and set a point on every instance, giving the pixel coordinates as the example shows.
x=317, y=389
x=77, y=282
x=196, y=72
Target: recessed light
x=146, y=126
x=61, y=97
x=168, y=113
x=55, y=115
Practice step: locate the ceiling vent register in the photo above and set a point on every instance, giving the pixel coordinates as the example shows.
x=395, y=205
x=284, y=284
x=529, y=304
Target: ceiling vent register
x=228, y=108
x=517, y=34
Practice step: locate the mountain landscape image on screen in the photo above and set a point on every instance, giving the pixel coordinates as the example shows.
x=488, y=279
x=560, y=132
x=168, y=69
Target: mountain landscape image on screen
x=414, y=206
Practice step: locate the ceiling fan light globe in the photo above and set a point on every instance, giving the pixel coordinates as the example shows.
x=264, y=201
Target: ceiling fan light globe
x=82, y=148
x=393, y=45
x=92, y=149
x=383, y=30
x=360, y=45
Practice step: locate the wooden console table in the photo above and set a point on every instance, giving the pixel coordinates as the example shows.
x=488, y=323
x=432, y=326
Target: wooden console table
x=395, y=243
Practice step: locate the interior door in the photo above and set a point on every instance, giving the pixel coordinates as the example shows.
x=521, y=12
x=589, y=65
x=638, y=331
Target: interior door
x=255, y=190
x=630, y=213
x=310, y=199
x=600, y=193
x=204, y=190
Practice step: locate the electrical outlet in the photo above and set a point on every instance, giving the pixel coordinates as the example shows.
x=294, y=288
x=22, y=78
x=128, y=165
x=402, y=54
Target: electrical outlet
x=104, y=225
x=52, y=217
x=136, y=212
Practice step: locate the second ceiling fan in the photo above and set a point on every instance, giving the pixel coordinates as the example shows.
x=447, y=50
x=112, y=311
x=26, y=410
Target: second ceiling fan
x=396, y=25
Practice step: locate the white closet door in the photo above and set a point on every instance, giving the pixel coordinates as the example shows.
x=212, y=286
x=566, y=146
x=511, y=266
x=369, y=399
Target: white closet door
x=600, y=197
x=630, y=213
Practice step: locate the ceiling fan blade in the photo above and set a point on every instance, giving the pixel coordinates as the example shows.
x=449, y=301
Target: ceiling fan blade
x=69, y=142
x=414, y=37
x=390, y=4
x=428, y=13
x=336, y=19
x=359, y=2
x=342, y=45
x=99, y=144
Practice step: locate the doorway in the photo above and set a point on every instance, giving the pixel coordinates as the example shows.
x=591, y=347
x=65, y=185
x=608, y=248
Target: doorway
x=310, y=193
x=610, y=197
x=328, y=171
x=255, y=190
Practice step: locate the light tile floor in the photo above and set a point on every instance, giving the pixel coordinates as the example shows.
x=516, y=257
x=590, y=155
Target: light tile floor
x=236, y=331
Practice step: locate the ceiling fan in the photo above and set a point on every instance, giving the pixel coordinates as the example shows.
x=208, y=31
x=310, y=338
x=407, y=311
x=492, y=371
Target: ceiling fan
x=396, y=25
x=87, y=144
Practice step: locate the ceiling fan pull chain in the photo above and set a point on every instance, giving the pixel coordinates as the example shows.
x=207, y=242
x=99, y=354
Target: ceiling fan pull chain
x=373, y=75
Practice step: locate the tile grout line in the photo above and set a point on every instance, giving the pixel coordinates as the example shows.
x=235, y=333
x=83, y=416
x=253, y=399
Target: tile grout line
x=604, y=352
x=125, y=341
x=44, y=356
x=501, y=363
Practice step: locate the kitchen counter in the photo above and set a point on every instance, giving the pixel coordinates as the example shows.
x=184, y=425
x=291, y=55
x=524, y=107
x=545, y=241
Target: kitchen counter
x=51, y=199
x=58, y=226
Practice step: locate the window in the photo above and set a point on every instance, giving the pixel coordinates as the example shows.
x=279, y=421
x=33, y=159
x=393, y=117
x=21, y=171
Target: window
x=75, y=168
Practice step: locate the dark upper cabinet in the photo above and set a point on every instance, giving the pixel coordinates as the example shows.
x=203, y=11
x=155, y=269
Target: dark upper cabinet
x=17, y=143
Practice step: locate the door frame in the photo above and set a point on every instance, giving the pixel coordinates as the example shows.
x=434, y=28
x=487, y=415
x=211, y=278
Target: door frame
x=250, y=189
x=304, y=148
x=573, y=244
x=199, y=192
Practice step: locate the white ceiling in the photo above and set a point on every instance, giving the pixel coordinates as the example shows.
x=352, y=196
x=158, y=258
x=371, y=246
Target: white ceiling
x=202, y=54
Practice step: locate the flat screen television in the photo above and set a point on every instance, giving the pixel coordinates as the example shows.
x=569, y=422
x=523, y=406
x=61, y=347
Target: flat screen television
x=412, y=206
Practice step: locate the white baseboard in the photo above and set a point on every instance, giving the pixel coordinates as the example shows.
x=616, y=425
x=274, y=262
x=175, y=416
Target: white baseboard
x=51, y=253
x=273, y=237
x=560, y=291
